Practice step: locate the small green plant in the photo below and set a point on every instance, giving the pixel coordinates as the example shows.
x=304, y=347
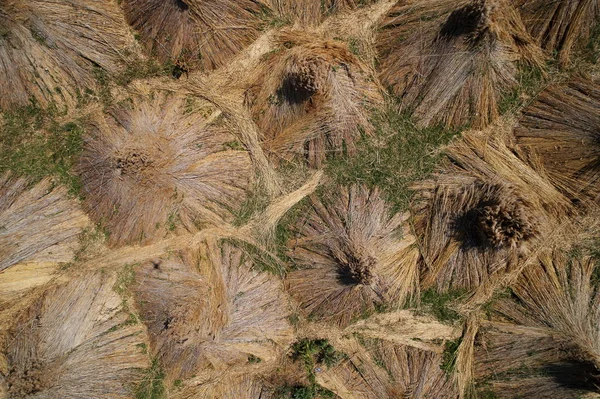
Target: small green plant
x=152, y=385
x=529, y=84
x=125, y=278
x=450, y=354
x=439, y=304
x=254, y=359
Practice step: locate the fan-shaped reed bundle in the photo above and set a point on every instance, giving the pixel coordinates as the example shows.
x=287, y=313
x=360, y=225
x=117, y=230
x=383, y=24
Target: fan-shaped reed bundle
x=451, y=60
x=195, y=33
x=154, y=164
x=353, y=256
x=74, y=342
x=562, y=131
x=557, y=337
x=388, y=370
x=238, y=386
x=212, y=312
x=481, y=213
x=559, y=25
x=50, y=49
x=311, y=98
x=39, y=223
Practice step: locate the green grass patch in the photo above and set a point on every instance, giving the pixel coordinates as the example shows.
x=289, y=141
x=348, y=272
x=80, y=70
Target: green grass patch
x=398, y=154
x=152, y=385
x=34, y=144
x=529, y=84
x=312, y=353
x=449, y=355
x=440, y=304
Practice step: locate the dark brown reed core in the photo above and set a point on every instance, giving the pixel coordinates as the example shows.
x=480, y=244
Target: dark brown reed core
x=471, y=21
x=503, y=223
x=304, y=79
x=356, y=266
x=181, y=5
x=26, y=381
x=133, y=162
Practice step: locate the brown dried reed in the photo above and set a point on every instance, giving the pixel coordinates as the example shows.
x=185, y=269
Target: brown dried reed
x=451, y=60
x=208, y=311
x=74, y=342
x=561, y=130
x=39, y=223
x=194, y=33
x=49, y=50
x=559, y=25
x=481, y=213
x=353, y=256
x=311, y=97
x=154, y=165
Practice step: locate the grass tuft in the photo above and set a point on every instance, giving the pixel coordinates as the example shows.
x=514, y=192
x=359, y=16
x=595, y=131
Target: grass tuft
x=397, y=155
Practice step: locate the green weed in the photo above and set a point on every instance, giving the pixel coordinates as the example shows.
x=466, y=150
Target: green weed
x=152, y=386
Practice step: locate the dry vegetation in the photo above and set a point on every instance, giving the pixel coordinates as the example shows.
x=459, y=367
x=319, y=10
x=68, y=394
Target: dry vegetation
x=561, y=130
x=74, y=341
x=270, y=223
x=559, y=25
x=553, y=350
x=312, y=98
x=50, y=50
x=482, y=213
x=451, y=61
x=157, y=164
x=209, y=312
x=353, y=257
x=194, y=33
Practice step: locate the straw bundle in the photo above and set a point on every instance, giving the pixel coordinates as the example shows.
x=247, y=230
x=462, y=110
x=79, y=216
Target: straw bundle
x=211, y=312
x=481, y=213
x=39, y=223
x=554, y=350
x=353, y=257
x=50, y=49
x=194, y=33
x=562, y=131
x=559, y=25
x=451, y=60
x=74, y=342
x=312, y=12
x=311, y=98
x=154, y=166
x=388, y=370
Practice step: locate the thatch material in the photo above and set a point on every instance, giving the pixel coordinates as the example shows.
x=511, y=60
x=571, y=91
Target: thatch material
x=154, y=166
x=554, y=352
x=389, y=371
x=211, y=312
x=38, y=224
x=483, y=211
x=559, y=25
x=194, y=33
x=562, y=131
x=74, y=342
x=311, y=98
x=312, y=12
x=240, y=386
x=451, y=60
x=353, y=256
x=49, y=49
